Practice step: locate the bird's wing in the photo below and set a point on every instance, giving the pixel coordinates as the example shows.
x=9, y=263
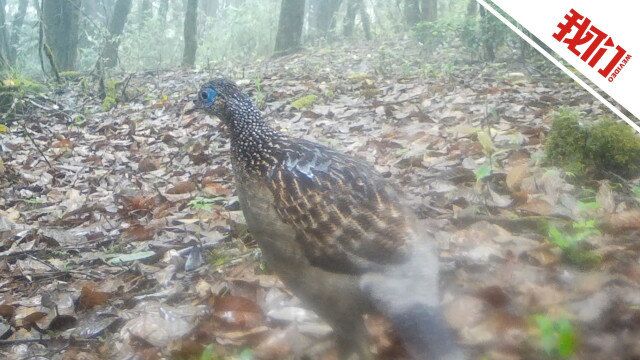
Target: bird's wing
x=347, y=217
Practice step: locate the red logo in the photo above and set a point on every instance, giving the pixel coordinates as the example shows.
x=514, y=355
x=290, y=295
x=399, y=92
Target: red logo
x=594, y=44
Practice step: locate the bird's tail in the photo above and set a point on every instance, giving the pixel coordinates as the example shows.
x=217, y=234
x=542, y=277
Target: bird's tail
x=425, y=333
x=407, y=294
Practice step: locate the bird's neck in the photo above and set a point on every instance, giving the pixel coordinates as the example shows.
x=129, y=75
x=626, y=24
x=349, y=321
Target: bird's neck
x=254, y=143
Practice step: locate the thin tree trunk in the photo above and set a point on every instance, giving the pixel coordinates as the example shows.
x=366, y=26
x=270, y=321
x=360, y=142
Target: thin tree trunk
x=61, y=31
x=472, y=8
x=411, y=12
x=290, y=26
x=16, y=29
x=350, y=18
x=163, y=10
x=210, y=8
x=429, y=11
x=190, y=34
x=144, y=12
x=121, y=11
x=488, y=45
x=326, y=15
x=366, y=21
x=4, y=46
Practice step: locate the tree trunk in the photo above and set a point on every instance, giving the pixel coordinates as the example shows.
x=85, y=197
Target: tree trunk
x=16, y=29
x=350, y=18
x=210, y=8
x=290, y=26
x=121, y=11
x=429, y=11
x=488, y=44
x=326, y=15
x=163, y=10
x=190, y=34
x=366, y=21
x=472, y=8
x=61, y=28
x=144, y=11
x=411, y=12
x=4, y=45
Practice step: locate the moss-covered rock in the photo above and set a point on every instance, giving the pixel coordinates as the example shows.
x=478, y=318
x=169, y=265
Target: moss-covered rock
x=605, y=147
x=111, y=95
x=566, y=142
x=614, y=147
x=16, y=87
x=304, y=102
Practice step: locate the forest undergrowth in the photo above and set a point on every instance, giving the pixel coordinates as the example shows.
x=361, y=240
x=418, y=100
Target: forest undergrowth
x=122, y=234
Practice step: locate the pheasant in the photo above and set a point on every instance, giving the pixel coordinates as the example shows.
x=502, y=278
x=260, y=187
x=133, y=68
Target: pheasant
x=335, y=232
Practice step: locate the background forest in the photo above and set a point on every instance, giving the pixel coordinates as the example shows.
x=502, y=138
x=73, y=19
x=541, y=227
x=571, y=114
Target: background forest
x=144, y=35
x=121, y=234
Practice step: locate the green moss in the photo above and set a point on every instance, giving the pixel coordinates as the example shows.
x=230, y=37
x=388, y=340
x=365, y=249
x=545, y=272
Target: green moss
x=606, y=147
x=111, y=97
x=614, y=147
x=71, y=75
x=304, y=102
x=16, y=86
x=566, y=143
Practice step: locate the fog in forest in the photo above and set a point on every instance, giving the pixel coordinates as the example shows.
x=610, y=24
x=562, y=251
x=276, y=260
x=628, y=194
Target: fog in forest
x=306, y=179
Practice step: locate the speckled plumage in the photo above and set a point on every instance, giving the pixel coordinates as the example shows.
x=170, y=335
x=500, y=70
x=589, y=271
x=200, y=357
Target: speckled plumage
x=334, y=231
x=347, y=216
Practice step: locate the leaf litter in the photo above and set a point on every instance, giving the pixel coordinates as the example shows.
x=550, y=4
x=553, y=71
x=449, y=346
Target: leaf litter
x=122, y=237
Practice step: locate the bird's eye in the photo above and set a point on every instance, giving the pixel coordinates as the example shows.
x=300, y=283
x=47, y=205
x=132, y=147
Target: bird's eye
x=204, y=95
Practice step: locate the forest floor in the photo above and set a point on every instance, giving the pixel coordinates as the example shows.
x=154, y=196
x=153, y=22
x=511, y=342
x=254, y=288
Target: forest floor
x=121, y=237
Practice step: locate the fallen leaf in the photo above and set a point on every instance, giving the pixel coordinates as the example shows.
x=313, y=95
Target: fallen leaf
x=182, y=187
x=90, y=298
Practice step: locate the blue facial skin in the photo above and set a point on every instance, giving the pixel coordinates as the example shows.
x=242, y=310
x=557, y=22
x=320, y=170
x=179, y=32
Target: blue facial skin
x=208, y=96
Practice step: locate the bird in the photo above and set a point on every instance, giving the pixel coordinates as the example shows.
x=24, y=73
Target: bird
x=335, y=231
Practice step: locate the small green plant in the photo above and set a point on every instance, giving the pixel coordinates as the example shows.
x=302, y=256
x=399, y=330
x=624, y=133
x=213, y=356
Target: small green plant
x=571, y=243
x=557, y=336
x=432, y=34
x=304, y=102
x=260, y=97
x=588, y=206
x=202, y=203
x=218, y=259
x=482, y=172
x=34, y=201
x=208, y=353
x=636, y=191
x=111, y=95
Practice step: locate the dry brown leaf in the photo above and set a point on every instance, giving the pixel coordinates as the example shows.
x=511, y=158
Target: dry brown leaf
x=494, y=295
x=183, y=187
x=7, y=311
x=538, y=207
x=62, y=143
x=237, y=311
x=621, y=222
x=30, y=320
x=90, y=298
x=139, y=232
x=148, y=164
x=604, y=197
x=515, y=175
x=215, y=188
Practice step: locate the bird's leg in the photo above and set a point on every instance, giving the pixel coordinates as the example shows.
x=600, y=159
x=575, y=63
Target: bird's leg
x=353, y=344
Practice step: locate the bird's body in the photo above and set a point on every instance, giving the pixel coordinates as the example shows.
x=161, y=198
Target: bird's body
x=334, y=231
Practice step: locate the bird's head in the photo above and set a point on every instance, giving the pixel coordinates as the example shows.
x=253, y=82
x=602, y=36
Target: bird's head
x=224, y=99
